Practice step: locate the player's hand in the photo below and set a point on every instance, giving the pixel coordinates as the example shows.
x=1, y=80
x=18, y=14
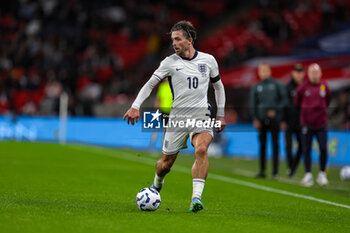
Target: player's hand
x=131, y=115
x=284, y=125
x=257, y=124
x=271, y=113
x=223, y=123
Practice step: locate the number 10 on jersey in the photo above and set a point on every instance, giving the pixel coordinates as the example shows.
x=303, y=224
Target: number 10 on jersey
x=192, y=82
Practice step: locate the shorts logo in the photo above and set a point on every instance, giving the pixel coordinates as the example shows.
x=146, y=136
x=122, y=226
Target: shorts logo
x=203, y=69
x=166, y=143
x=152, y=120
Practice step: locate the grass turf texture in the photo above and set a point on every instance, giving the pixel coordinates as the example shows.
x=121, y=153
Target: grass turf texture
x=55, y=188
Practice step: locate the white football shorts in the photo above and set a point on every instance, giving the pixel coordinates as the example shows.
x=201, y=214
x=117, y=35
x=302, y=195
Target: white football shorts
x=176, y=139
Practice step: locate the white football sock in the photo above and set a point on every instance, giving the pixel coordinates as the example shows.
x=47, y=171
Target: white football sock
x=158, y=181
x=198, y=186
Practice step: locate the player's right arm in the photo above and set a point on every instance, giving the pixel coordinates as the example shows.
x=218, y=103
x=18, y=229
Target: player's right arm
x=133, y=113
x=252, y=104
x=299, y=95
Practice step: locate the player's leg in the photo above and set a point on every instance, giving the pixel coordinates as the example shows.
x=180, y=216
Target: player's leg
x=288, y=141
x=321, y=135
x=307, y=143
x=200, y=168
x=299, y=151
x=173, y=142
x=262, y=156
x=163, y=167
x=275, y=129
x=201, y=143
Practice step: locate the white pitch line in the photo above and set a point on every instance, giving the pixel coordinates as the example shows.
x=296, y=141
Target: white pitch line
x=178, y=168
x=273, y=190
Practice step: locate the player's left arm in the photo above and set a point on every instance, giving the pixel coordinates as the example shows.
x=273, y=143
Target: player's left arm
x=328, y=95
x=219, y=93
x=283, y=101
x=220, y=103
x=299, y=95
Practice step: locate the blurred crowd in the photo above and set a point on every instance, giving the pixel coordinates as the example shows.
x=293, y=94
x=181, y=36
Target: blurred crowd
x=96, y=51
x=274, y=27
x=100, y=51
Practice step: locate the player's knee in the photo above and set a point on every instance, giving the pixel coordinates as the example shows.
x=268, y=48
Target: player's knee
x=201, y=149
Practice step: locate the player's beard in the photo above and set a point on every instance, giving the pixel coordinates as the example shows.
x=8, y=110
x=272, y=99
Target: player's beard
x=181, y=51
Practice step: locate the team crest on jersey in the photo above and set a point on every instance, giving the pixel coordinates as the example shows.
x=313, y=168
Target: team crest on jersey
x=203, y=69
x=322, y=90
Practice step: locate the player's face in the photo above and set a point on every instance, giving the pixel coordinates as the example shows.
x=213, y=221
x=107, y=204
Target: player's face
x=180, y=43
x=264, y=71
x=298, y=76
x=314, y=72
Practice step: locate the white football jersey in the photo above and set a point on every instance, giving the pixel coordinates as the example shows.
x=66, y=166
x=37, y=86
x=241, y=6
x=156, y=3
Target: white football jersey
x=189, y=82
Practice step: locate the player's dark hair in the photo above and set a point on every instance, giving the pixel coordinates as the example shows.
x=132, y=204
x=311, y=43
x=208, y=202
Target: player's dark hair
x=187, y=28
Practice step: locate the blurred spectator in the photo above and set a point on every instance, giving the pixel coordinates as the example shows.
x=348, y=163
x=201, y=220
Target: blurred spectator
x=231, y=116
x=4, y=100
x=50, y=103
x=267, y=100
x=313, y=98
x=90, y=95
x=340, y=110
x=292, y=119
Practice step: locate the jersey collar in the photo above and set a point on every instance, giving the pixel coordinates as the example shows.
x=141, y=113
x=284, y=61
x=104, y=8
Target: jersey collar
x=189, y=59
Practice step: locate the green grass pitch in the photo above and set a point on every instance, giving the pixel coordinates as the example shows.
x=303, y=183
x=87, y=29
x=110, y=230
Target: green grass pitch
x=72, y=188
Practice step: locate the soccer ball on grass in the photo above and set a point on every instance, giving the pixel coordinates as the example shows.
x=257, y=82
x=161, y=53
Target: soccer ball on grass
x=148, y=199
x=345, y=173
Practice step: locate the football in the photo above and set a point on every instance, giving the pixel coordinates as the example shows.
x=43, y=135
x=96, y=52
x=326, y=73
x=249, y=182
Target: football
x=345, y=173
x=148, y=199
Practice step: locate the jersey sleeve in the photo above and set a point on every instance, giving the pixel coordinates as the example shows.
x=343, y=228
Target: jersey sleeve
x=214, y=70
x=145, y=92
x=299, y=95
x=163, y=70
x=220, y=98
x=252, y=102
x=328, y=95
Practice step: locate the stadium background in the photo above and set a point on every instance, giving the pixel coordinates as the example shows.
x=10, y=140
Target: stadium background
x=101, y=52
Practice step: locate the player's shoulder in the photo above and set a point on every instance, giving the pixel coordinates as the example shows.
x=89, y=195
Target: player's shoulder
x=206, y=56
x=172, y=58
x=254, y=86
x=323, y=82
x=303, y=85
x=169, y=60
x=278, y=82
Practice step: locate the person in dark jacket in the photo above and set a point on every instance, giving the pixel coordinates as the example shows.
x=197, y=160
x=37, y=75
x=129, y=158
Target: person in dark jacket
x=267, y=100
x=291, y=118
x=313, y=98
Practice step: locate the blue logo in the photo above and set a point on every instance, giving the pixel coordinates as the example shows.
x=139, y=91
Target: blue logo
x=152, y=120
x=202, y=68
